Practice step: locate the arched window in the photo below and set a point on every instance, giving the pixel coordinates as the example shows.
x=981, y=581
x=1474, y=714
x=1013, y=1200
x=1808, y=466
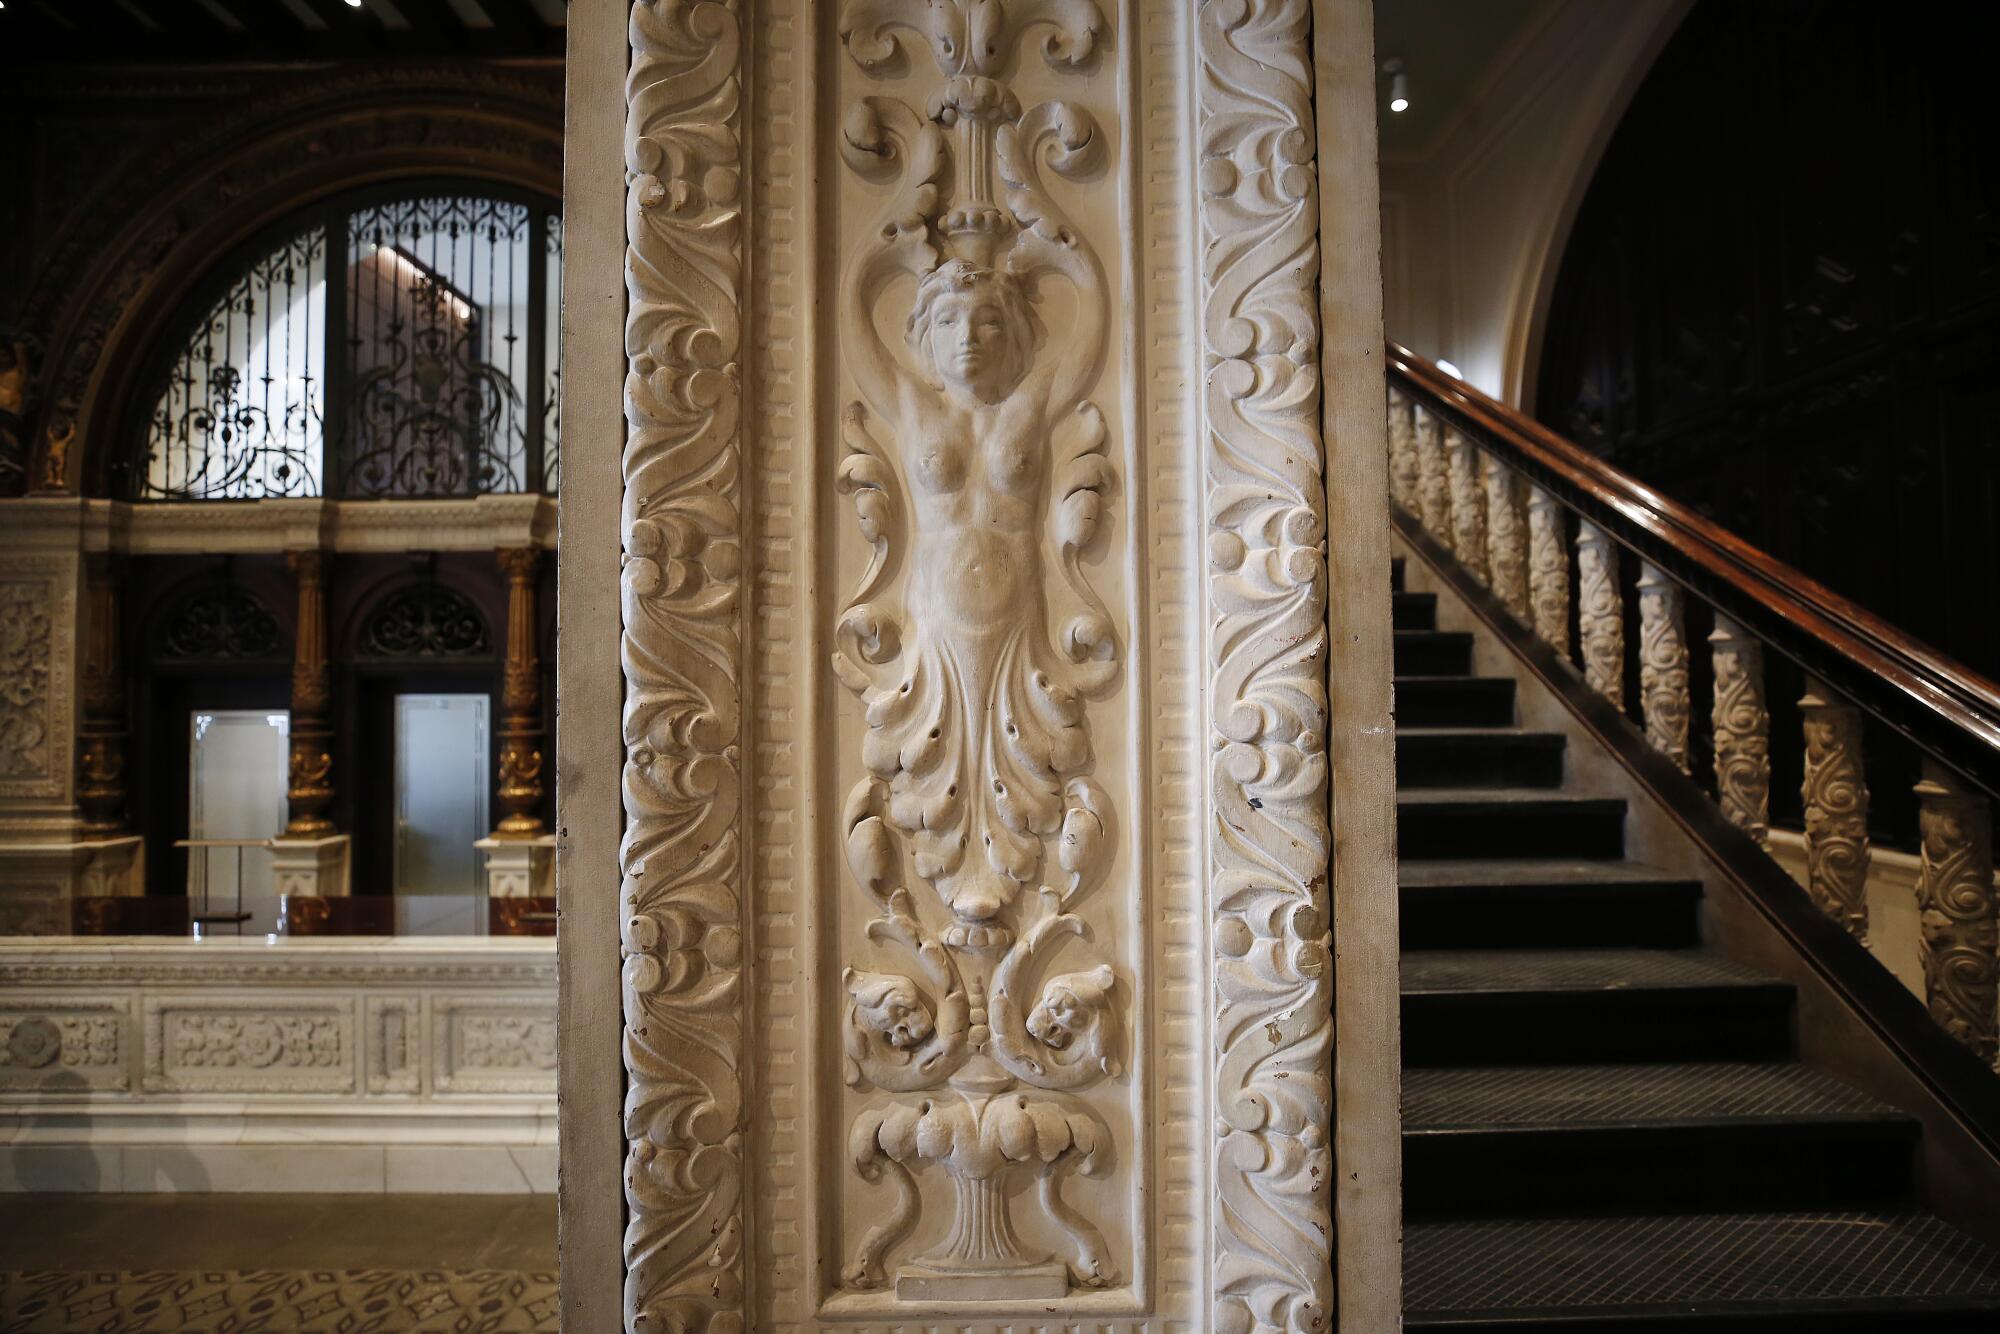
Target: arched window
x=380, y=346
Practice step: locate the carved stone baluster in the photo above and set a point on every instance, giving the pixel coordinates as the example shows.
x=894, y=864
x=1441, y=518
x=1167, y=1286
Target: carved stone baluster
x=1836, y=808
x=1956, y=902
x=1601, y=613
x=520, y=701
x=309, y=789
x=1663, y=665
x=1433, y=479
x=100, y=756
x=1402, y=451
x=1468, y=505
x=1742, y=729
x=1506, y=535
x=1548, y=570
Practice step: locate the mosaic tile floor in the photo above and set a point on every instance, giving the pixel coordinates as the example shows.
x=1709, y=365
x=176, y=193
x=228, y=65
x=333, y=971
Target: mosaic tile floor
x=251, y=1301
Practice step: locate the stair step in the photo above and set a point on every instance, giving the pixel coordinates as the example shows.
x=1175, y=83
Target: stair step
x=1522, y=1006
x=1413, y=611
x=1482, y=757
x=1454, y=701
x=1721, y=1135
x=1454, y=903
x=1701, y=1273
x=1502, y=822
x=1433, y=653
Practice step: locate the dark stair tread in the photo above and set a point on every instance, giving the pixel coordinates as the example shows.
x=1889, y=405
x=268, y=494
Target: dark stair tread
x=1535, y=873
x=1430, y=972
x=1635, y=1264
x=1598, y=1095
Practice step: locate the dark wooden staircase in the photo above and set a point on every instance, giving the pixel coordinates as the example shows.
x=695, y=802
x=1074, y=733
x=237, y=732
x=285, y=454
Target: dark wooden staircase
x=1605, y=1126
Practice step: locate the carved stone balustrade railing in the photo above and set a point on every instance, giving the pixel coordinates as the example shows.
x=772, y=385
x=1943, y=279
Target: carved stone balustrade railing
x=1509, y=534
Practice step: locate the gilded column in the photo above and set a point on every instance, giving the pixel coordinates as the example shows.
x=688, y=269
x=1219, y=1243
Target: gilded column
x=100, y=756
x=1403, y=469
x=1742, y=729
x=1433, y=481
x=1468, y=507
x=1955, y=899
x=310, y=787
x=1836, y=808
x=1600, y=613
x=1506, y=535
x=520, y=701
x=1548, y=570
x=1663, y=665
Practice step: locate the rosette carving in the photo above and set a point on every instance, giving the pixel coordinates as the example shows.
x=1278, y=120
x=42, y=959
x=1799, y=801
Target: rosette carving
x=1742, y=730
x=1663, y=665
x=681, y=857
x=1548, y=569
x=1269, y=836
x=978, y=470
x=1835, y=794
x=1600, y=613
x=1956, y=903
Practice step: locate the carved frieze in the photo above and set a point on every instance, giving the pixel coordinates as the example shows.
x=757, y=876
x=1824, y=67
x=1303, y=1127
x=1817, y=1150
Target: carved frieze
x=37, y=650
x=494, y=1044
x=249, y=1045
x=54, y=1043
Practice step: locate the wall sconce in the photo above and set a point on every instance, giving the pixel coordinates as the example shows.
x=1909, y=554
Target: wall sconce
x=1399, y=84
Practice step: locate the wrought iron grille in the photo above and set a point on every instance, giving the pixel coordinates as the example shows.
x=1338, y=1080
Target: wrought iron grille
x=392, y=346
x=221, y=623
x=425, y=621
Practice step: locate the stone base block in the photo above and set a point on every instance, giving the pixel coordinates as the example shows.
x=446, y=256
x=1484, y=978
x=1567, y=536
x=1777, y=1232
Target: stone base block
x=519, y=868
x=311, y=867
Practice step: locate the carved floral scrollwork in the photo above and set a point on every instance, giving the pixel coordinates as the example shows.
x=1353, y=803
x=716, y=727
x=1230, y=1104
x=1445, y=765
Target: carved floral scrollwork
x=1433, y=477
x=1600, y=613
x=1506, y=535
x=1403, y=470
x=1663, y=665
x=1742, y=729
x=1548, y=569
x=977, y=469
x=1835, y=797
x=1269, y=837
x=681, y=856
x=1468, y=503
x=1955, y=900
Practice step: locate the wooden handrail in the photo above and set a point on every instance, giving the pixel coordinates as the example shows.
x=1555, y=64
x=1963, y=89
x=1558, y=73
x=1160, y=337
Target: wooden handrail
x=1938, y=703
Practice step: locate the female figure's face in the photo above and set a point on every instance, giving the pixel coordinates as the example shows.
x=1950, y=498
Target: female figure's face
x=972, y=346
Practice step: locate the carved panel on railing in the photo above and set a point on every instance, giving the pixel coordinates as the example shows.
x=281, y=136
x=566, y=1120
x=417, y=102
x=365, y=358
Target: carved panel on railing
x=1835, y=795
x=1600, y=613
x=1742, y=729
x=1433, y=476
x=1548, y=569
x=1955, y=901
x=1403, y=469
x=1663, y=665
x=1468, y=503
x=1506, y=535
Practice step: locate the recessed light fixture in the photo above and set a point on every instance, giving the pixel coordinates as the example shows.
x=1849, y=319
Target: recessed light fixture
x=1399, y=84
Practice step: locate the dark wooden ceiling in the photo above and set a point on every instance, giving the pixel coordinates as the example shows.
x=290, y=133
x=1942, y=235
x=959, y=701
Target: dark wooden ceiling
x=203, y=31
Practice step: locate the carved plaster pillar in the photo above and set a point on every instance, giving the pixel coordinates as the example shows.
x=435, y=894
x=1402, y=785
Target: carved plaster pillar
x=1835, y=793
x=1506, y=535
x=309, y=789
x=1956, y=904
x=520, y=701
x=1742, y=729
x=974, y=897
x=100, y=755
x=1403, y=469
x=1548, y=569
x=1434, y=493
x=1600, y=612
x=1663, y=664
x=1468, y=503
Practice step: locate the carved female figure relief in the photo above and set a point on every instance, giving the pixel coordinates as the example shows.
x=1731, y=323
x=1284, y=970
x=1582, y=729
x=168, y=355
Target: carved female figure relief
x=975, y=643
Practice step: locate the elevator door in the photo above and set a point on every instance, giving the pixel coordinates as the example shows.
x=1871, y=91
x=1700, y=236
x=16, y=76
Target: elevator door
x=441, y=784
x=236, y=790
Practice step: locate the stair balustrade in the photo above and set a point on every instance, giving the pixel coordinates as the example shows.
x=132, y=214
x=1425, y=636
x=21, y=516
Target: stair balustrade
x=1528, y=515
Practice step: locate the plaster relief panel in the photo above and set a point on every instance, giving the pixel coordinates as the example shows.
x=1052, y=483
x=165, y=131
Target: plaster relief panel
x=55, y=1044
x=249, y=1044
x=37, y=654
x=494, y=1044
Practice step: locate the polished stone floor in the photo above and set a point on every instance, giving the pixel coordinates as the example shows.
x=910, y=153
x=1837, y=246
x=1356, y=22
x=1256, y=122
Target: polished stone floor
x=234, y=1264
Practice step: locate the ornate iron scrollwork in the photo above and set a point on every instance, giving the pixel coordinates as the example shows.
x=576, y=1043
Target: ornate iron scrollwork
x=425, y=621
x=221, y=623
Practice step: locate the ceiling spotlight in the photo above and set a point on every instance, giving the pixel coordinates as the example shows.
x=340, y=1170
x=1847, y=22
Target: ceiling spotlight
x=354, y=4
x=1399, y=84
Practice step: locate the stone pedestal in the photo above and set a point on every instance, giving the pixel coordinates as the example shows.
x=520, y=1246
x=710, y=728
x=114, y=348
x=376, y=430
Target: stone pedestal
x=39, y=881
x=311, y=867
x=519, y=868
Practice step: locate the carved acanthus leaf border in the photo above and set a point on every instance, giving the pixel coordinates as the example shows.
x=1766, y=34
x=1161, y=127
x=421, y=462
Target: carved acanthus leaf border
x=1270, y=838
x=680, y=906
